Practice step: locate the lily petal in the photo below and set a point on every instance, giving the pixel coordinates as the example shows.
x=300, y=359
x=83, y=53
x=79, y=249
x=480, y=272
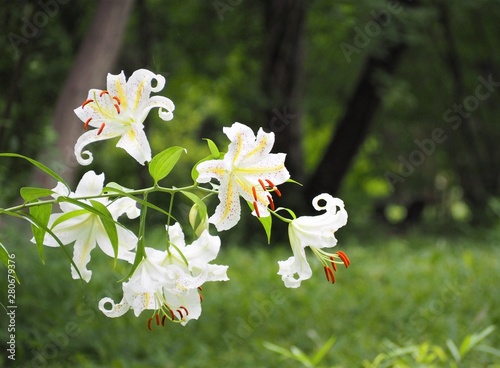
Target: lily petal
x=135, y=142
x=228, y=212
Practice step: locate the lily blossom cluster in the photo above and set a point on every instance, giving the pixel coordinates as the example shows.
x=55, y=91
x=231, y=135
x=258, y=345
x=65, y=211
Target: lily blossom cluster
x=167, y=280
x=170, y=282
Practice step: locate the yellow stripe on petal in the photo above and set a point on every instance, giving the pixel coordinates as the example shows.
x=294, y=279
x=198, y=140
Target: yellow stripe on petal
x=140, y=89
x=227, y=208
x=238, y=147
x=121, y=94
x=259, y=148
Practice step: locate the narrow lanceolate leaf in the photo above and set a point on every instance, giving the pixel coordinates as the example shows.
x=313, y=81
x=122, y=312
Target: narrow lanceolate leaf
x=267, y=223
x=41, y=214
x=30, y=194
x=161, y=165
x=67, y=216
x=4, y=255
x=34, y=220
x=109, y=225
x=41, y=166
x=214, y=150
x=7, y=260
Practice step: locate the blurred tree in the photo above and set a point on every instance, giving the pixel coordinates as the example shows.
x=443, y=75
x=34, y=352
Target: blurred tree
x=94, y=60
x=282, y=83
x=352, y=129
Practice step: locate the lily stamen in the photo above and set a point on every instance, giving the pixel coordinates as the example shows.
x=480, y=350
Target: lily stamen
x=86, y=124
x=344, y=258
x=330, y=276
x=256, y=208
x=262, y=185
x=117, y=100
x=103, y=93
x=101, y=128
x=271, y=202
x=86, y=102
x=254, y=192
x=334, y=265
x=117, y=108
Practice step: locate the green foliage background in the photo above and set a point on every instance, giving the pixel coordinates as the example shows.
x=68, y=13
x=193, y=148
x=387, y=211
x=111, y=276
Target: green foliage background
x=213, y=70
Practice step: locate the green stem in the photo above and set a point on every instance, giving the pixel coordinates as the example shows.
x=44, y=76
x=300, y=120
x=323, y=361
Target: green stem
x=144, y=191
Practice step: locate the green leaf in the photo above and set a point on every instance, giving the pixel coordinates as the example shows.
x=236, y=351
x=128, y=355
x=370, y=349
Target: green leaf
x=42, y=214
x=320, y=354
x=4, y=255
x=470, y=341
x=68, y=215
x=30, y=194
x=453, y=350
x=109, y=225
x=5, y=258
x=41, y=166
x=161, y=165
x=34, y=220
x=214, y=150
x=267, y=223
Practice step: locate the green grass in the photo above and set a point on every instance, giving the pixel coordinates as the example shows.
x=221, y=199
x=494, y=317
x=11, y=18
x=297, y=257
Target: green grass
x=408, y=289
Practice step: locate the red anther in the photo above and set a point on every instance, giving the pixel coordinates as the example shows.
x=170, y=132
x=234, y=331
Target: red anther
x=86, y=102
x=254, y=192
x=180, y=312
x=344, y=258
x=256, y=209
x=117, y=100
x=86, y=125
x=278, y=193
x=201, y=297
x=117, y=108
x=163, y=320
x=262, y=185
x=101, y=128
x=149, y=324
x=157, y=319
x=271, y=202
x=334, y=265
x=200, y=288
x=329, y=274
x=172, y=315
x=103, y=93
x=270, y=183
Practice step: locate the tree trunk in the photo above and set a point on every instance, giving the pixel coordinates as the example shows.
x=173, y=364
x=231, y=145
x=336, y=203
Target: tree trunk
x=282, y=84
x=352, y=128
x=94, y=60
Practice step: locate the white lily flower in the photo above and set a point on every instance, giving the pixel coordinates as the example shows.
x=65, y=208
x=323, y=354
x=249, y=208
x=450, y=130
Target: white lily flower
x=249, y=170
x=169, y=282
x=315, y=232
x=86, y=229
x=120, y=111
